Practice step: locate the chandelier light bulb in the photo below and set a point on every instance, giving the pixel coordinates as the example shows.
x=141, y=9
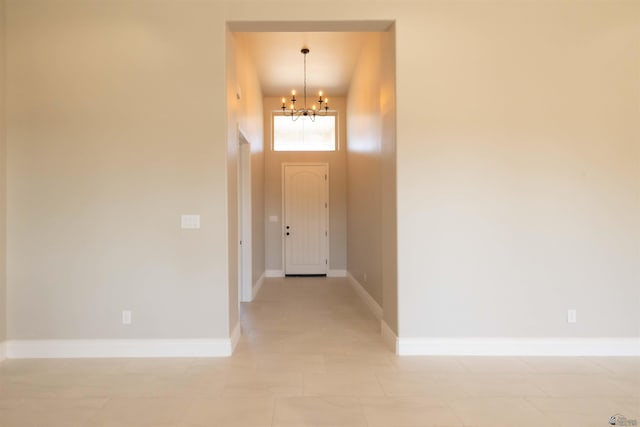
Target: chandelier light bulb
x=303, y=110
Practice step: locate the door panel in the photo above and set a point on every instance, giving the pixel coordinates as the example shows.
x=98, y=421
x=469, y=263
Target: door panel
x=305, y=219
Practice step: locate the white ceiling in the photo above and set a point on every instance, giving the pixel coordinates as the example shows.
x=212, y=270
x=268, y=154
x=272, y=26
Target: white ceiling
x=280, y=67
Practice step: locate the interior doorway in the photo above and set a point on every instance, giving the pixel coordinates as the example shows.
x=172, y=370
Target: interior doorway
x=354, y=64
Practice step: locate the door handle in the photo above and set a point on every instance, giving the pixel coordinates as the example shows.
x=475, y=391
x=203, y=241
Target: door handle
x=288, y=233
x=288, y=227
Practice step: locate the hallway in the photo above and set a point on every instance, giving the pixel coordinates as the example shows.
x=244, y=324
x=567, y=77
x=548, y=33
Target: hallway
x=308, y=315
x=311, y=355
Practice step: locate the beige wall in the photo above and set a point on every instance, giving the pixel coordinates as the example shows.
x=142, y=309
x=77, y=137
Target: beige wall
x=3, y=206
x=517, y=160
x=337, y=190
x=244, y=100
x=371, y=174
x=233, y=149
x=518, y=176
x=253, y=128
x=364, y=144
x=116, y=127
x=388, y=178
x=257, y=214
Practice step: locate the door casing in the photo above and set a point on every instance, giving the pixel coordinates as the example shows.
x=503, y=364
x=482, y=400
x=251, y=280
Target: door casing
x=326, y=212
x=245, y=278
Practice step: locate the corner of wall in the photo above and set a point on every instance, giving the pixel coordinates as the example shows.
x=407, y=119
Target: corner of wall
x=389, y=183
x=232, y=177
x=371, y=160
x=3, y=205
x=257, y=286
x=236, y=334
x=371, y=303
x=245, y=117
x=389, y=337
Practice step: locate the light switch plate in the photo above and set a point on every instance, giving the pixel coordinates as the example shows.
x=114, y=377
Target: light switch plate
x=190, y=221
x=273, y=218
x=572, y=315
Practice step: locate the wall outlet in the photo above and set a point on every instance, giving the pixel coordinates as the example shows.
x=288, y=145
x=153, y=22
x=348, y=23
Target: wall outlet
x=571, y=315
x=126, y=317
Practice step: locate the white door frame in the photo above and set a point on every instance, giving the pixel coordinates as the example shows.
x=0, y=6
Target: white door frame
x=282, y=229
x=245, y=264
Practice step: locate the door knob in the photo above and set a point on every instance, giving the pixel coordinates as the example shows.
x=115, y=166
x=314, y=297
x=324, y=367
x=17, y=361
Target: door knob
x=288, y=233
x=287, y=227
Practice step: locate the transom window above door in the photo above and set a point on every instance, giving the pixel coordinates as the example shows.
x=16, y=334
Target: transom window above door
x=304, y=134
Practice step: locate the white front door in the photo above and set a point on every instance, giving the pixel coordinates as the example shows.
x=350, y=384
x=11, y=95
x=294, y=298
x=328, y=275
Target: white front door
x=306, y=233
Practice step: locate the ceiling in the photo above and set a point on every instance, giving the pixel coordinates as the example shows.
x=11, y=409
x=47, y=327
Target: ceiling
x=280, y=67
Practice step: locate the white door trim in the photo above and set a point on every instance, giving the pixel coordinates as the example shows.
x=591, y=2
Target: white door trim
x=327, y=216
x=245, y=280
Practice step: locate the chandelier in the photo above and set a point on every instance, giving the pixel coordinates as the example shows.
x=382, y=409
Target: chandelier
x=293, y=111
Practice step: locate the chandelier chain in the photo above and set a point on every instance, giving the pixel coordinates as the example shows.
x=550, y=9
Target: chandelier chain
x=296, y=113
x=305, y=80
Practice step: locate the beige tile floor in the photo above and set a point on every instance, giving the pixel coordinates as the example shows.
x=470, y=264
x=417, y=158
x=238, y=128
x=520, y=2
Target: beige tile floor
x=311, y=355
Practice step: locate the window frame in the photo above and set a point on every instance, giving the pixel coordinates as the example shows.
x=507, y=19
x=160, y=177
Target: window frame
x=333, y=113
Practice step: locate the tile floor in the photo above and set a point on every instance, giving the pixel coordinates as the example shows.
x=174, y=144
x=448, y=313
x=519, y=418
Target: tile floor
x=311, y=355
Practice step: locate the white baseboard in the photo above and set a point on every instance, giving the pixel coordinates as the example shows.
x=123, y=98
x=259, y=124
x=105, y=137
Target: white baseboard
x=274, y=273
x=373, y=305
x=337, y=273
x=388, y=336
x=235, y=336
x=519, y=346
x=38, y=349
x=256, y=288
x=2, y=351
